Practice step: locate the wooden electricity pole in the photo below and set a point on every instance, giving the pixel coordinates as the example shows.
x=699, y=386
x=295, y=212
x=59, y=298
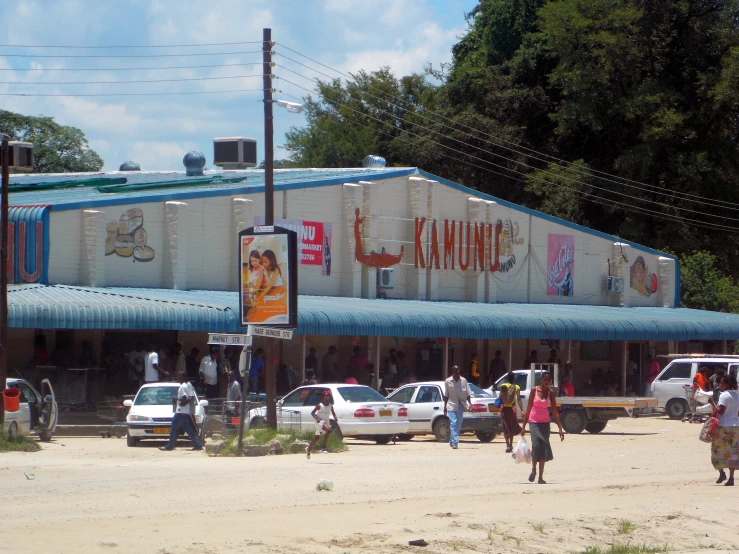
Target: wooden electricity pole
x=4, y=154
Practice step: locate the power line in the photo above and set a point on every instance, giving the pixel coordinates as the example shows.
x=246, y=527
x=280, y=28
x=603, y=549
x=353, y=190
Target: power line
x=112, y=47
x=126, y=82
x=623, y=181
x=134, y=93
x=603, y=189
x=128, y=68
x=130, y=55
x=588, y=196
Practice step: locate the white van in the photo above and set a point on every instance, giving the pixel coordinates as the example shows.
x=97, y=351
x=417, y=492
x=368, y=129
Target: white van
x=668, y=388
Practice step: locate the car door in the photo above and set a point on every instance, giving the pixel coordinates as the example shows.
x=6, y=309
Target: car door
x=49, y=407
x=426, y=407
x=404, y=395
x=671, y=382
x=289, y=413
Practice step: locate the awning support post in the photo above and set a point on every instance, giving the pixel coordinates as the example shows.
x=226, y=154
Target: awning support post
x=377, y=363
x=446, y=358
x=510, y=354
x=624, y=364
x=304, y=344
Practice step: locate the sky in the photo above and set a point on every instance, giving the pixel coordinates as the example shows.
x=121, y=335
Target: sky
x=157, y=131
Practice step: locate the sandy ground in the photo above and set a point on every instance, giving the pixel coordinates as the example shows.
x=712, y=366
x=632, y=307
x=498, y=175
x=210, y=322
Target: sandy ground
x=97, y=495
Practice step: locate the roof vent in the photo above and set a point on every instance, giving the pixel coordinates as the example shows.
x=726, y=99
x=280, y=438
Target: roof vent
x=234, y=152
x=21, y=157
x=373, y=162
x=129, y=166
x=194, y=163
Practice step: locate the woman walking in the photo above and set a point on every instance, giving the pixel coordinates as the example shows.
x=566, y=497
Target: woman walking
x=510, y=394
x=537, y=415
x=725, y=443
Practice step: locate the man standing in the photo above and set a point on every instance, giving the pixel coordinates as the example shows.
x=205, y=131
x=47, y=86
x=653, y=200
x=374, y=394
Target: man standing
x=311, y=364
x=456, y=399
x=136, y=360
x=358, y=366
x=178, y=359
x=256, y=367
x=532, y=359
x=653, y=369
x=182, y=418
x=192, y=364
x=497, y=367
x=209, y=373
x=474, y=372
x=330, y=365
x=152, y=371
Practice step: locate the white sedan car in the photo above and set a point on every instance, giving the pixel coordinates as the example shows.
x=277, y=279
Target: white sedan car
x=362, y=411
x=36, y=414
x=150, y=414
x=425, y=402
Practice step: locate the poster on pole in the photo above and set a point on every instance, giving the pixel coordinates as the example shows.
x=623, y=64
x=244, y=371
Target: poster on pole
x=314, y=241
x=560, y=265
x=268, y=276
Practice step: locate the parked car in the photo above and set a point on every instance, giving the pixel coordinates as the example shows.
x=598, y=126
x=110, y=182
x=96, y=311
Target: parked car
x=425, y=402
x=151, y=411
x=37, y=413
x=362, y=411
x=669, y=386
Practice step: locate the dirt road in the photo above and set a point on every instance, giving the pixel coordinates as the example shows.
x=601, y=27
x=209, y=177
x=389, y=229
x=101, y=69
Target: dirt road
x=97, y=495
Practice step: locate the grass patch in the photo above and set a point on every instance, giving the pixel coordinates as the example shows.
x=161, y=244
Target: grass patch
x=625, y=527
x=18, y=443
x=285, y=436
x=625, y=548
x=539, y=527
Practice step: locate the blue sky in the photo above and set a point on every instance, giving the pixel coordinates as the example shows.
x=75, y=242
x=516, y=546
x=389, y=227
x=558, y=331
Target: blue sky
x=156, y=131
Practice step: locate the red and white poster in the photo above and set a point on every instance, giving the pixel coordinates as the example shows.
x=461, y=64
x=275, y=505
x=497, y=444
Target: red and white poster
x=560, y=265
x=314, y=241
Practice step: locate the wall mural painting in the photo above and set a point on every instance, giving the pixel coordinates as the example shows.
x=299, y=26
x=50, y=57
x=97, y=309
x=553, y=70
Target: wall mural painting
x=640, y=279
x=560, y=265
x=127, y=237
x=373, y=259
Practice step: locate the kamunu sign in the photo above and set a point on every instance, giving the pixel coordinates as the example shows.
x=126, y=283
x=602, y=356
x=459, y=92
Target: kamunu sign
x=483, y=246
x=314, y=241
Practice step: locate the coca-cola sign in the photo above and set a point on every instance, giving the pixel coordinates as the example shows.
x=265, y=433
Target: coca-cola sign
x=560, y=265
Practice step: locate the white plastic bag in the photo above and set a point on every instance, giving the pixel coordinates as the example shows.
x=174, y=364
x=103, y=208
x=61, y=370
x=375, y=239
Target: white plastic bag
x=522, y=452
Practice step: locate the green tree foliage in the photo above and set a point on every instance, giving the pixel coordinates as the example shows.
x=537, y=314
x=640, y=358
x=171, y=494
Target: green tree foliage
x=704, y=286
x=56, y=148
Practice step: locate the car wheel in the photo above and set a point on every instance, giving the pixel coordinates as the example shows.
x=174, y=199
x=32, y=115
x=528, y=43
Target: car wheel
x=442, y=431
x=336, y=431
x=573, y=421
x=596, y=426
x=13, y=430
x=131, y=441
x=405, y=437
x=258, y=423
x=676, y=408
x=484, y=436
x=383, y=439
x=45, y=436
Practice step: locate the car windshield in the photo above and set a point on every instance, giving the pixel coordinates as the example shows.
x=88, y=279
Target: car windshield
x=477, y=391
x=155, y=396
x=360, y=394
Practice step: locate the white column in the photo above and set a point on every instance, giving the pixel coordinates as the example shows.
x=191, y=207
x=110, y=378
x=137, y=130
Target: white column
x=243, y=217
x=175, y=255
x=370, y=233
x=491, y=247
x=351, y=282
x=92, y=258
x=474, y=280
x=434, y=209
x=418, y=195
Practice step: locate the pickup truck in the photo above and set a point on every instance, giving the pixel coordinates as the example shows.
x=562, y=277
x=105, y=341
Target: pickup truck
x=581, y=413
x=668, y=389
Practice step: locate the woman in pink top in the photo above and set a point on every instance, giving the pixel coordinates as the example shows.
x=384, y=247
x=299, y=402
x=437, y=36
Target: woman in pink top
x=541, y=399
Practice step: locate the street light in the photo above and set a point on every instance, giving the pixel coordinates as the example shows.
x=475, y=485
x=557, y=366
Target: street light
x=292, y=107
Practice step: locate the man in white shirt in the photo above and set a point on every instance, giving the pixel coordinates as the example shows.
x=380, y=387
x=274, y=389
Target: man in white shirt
x=136, y=366
x=456, y=398
x=178, y=359
x=152, y=371
x=182, y=419
x=209, y=373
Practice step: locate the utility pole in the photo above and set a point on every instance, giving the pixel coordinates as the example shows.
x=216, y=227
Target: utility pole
x=5, y=155
x=269, y=211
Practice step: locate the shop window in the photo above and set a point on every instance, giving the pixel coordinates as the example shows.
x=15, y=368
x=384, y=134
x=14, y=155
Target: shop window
x=595, y=351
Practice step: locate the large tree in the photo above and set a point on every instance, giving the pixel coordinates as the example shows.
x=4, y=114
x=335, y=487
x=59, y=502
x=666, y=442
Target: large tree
x=56, y=148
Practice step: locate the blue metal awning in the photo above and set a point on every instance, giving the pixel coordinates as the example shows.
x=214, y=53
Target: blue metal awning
x=68, y=307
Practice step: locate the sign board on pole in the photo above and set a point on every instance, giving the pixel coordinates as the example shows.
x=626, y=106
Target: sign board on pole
x=272, y=333
x=268, y=276
x=229, y=340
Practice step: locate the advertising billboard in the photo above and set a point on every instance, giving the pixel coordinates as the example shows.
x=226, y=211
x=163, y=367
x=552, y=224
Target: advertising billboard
x=268, y=276
x=560, y=265
x=314, y=241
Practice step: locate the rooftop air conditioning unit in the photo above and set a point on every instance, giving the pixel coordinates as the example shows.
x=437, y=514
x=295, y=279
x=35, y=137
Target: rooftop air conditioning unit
x=615, y=285
x=234, y=152
x=21, y=157
x=386, y=278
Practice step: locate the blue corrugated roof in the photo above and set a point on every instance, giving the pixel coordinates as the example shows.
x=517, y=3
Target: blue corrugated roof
x=86, y=197
x=60, y=306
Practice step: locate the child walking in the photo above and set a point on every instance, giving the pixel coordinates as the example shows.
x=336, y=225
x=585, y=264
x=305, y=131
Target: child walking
x=322, y=414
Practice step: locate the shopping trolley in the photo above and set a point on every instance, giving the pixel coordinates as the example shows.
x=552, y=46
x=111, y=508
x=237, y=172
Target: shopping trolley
x=113, y=410
x=699, y=407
